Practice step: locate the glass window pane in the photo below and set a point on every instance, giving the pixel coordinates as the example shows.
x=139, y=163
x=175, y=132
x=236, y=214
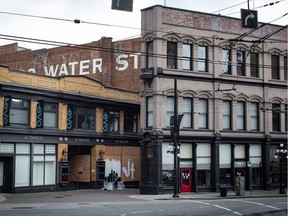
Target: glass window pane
x=50, y=149
x=50, y=169
x=22, y=148
x=203, y=109
x=22, y=170
x=38, y=170
x=19, y=116
x=38, y=148
x=50, y=119
x=6, y=147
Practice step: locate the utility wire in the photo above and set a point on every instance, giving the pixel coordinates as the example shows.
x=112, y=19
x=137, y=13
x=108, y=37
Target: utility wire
x=98, y=48
x=230, y=7
x=269, y=4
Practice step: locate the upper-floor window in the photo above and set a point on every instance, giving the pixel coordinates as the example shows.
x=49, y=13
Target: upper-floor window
x=203, y=58
x=275, y=67
x=188, y=113
x=240, y=115
x=149, y=54
x=240, y=63
x=16, y=111
x=113, y=119
x=149, y=111
x=84, y=118
x=187, y=56
x=169, y=110
x=286, y=117
x=226, y=115
x=254, y=116
x=254, y=64
x=226, y=61
x=276, y=117
x=46, y=114
x=171, y=54
x=285, y=68
x=130, y=122
x=203, y=113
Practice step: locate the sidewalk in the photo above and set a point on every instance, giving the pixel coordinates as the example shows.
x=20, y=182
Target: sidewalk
x=126, y=195
x=213, y=195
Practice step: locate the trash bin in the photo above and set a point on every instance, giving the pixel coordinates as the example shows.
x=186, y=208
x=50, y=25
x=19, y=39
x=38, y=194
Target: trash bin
x=223, y=192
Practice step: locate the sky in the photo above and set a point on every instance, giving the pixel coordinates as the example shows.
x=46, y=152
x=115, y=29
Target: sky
x=104, y=21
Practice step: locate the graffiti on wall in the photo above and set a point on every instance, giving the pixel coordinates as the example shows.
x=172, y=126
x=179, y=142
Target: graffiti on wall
x=115, y=165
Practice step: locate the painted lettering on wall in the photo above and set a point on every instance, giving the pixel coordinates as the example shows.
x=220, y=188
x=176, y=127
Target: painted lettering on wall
x=84, y=67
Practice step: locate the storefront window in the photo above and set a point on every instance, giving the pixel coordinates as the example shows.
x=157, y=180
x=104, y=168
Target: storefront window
x=167, y=165
x=22, y=168
x=203, y=164
x=255, y=159
x=274, y=165
x=44, y=164
x=225, y=164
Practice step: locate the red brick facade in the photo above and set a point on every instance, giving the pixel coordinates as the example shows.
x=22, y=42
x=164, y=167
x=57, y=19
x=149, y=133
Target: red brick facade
x=115, y=64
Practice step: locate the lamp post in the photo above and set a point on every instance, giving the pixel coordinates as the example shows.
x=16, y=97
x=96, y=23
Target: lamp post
x=281, y=153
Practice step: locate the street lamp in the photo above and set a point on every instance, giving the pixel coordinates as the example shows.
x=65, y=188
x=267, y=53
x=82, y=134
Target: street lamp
x=281, y=153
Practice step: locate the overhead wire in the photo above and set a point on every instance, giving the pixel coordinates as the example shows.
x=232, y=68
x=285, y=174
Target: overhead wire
x=104, y=49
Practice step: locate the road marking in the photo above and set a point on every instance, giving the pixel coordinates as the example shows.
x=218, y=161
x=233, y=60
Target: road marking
x=261, y=204
x=217, y=206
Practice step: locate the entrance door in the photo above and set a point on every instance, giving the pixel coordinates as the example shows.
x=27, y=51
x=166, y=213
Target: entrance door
x=186, y=179
x=6, y=175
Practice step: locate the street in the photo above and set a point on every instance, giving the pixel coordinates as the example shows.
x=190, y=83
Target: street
x=123, y=203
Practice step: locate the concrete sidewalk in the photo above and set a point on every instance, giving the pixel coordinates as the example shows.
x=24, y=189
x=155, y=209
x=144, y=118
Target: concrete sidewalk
x=213, y=195
x=126, y=195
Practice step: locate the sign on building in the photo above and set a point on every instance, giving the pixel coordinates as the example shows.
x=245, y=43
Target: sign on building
x=124, y=5
x=249, y=18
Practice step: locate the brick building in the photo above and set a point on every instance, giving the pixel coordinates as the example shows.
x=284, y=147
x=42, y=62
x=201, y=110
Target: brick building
x=231, y=86
x=69, y=116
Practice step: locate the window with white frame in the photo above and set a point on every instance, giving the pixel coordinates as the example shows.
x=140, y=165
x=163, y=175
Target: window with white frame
x=202, y=58
x=226, y=115
x=169, y=110
x=240, y=115
x=254, y=116
x=187, y=56
x=226, y=61
x=203, y=113
x=188, y=113
x=149, y=111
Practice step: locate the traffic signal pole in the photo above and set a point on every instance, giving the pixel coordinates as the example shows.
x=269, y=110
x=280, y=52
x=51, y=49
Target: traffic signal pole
x=175, y=140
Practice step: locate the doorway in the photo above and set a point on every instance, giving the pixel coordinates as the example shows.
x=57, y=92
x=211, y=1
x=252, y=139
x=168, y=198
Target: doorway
x=186, y=179
x=6, y=174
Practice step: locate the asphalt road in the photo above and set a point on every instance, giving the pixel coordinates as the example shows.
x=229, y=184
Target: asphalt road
x=128, y=206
